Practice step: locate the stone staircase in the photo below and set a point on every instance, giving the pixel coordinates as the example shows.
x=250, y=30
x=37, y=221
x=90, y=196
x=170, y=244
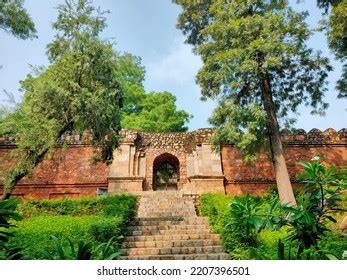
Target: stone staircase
x=167, y=228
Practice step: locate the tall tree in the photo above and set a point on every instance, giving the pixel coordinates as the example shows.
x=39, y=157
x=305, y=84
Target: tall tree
x=255, y=60
x=15, y=20
x=336, y=27
x=82, y=89
x=153, y=112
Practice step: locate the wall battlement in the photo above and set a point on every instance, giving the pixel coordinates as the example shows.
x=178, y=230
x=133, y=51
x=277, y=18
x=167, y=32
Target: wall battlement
x=203, y=135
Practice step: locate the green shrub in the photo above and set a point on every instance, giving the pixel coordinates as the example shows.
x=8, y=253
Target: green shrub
x=92, y=221
x=34, y=234
x=82, y=250
x=216, y=207
x=119, y=205
x=307, y=222
x=7, y=216
x=232, y=217
x=105, y=229
x=245, y=220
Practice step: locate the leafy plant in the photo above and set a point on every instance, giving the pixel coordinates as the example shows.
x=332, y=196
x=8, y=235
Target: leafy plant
x=91, y=220
x=307, y=222
x=245, y=219
x=7, y=214
x=104, y=229
x=118, y=205
x=81, y=251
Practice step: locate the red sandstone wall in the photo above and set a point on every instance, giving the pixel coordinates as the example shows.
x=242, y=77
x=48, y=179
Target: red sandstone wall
x=69, y=173
x=257, y=178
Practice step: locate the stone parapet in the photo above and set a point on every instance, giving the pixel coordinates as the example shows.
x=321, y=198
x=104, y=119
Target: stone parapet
x=187, y=141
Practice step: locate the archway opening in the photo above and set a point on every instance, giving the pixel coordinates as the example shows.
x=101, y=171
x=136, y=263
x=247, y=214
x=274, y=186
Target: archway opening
x=165, y=172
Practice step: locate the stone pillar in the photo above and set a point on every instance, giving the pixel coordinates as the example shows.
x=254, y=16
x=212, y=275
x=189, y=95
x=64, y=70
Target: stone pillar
x=124, y=176
x=204, y=171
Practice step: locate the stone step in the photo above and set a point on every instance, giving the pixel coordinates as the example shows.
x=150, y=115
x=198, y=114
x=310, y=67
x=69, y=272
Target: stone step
x=171, y=243
x=169, y=227
x=220, y=256
x=162, y=207
x=167, y=232
x=172, y=251
x=164, y=214
x=167, y=221
x=212, y=236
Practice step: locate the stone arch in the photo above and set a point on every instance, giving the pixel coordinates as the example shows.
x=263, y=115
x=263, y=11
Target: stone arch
x=166, y=172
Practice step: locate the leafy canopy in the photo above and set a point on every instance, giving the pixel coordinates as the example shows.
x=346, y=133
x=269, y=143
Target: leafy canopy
x=240, y=43
x=336, y=27
x=82, y=89
x=153, y=112
x=15, y=20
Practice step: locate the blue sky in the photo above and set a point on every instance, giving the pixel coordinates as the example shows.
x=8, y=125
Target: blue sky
x=146, y=28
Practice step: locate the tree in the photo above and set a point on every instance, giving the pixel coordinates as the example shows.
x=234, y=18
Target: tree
x=15, y=20
x=153, y=112
x=336, y=27
x=82, y=89
x=255, y=60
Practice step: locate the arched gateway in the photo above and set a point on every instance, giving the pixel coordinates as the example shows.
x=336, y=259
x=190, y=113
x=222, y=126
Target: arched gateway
x=159, y=161
x=166, y=172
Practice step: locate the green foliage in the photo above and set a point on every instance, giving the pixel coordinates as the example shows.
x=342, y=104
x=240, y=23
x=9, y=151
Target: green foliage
x=215, y=207
x=34, y=234
x=15, y=20
x=336, y=28
x=119, y=205
x=7, y=216
x=87, y=225
x=239, y=221
x=245, y=219
x=104, y=230
x=308, y=221
x=242, y=126
x=82, y=251
x=261, y=228
x=81, y=90
x=254, y=57
x=154, y=112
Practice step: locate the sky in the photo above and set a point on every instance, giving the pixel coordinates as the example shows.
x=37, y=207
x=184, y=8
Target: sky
x=146, y=28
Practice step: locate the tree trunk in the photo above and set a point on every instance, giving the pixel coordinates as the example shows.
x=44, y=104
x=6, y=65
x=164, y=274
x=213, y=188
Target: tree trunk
x=284, y=186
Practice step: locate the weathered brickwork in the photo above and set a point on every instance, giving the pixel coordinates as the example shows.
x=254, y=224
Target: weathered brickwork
x=70, y=172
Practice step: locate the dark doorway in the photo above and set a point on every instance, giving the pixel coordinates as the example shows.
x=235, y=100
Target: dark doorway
x=165, y=172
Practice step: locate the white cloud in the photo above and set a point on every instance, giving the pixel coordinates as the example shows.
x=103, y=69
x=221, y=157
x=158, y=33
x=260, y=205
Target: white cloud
x=179, y=66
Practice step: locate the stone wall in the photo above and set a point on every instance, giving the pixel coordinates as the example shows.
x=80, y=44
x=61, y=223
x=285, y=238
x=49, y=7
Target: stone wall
x=70, y=172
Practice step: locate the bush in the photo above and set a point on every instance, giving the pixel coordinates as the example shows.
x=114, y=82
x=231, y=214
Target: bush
x=34, y=234
x=105, y=229
x=7, y=216
x=307, y=222
x=216, y=207
x=233, y=217
x=91, y=220
x=120, y=205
